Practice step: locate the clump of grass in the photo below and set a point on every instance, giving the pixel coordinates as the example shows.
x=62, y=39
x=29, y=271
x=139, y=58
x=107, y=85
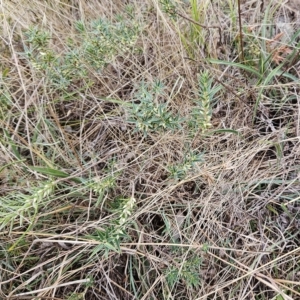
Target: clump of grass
x=197, y=33
x=194, y=35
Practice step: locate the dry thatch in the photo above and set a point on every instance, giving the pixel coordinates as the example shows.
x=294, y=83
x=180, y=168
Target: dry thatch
x=91, y=207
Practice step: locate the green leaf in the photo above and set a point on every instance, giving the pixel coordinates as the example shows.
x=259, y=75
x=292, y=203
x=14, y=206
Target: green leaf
x=5, y=72
x=10, y=164
x=97, y=249
x=13, y=146
x=110, y=246
x=225, y=130
x=55, y=173
x=238, y=65
x=272, y=209
x=51, y=172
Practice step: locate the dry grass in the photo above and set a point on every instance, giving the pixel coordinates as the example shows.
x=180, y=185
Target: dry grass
x=203, y=207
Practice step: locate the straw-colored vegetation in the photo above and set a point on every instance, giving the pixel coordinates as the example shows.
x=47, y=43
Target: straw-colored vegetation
x=149, y=149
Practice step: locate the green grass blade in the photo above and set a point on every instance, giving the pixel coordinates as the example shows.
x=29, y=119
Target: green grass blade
x=237, y=65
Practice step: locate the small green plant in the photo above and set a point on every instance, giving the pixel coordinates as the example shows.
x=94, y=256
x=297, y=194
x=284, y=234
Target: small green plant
x=23, y=207
x=148, y=114
x=58, y=71
x=97, y=44
x=193, y=34
x=111, y=236
x=196, y=34
x=76, y=296
x=102, y=186
x=186, y=271
x=102, y=40
x=202, y=112
x=169, y=8
x=180, y=171
x=17, y=206
x=5, y=96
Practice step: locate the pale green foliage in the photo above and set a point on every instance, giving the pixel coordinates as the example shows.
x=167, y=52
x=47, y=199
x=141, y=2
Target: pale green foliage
x=186, y=271
x=202, y=112
x=102, y=40
x=196, y=34
x=97, y=44
x=169, y=8
x=59, y=71
x=76, y=296
x=125, y=212
x=20, y=206
x=148, y=114
x=109, y=238
x=193, y=35
x=180, y=171
x=41, y=193
x=5, y=96
x=102, y=186
x=23, y=207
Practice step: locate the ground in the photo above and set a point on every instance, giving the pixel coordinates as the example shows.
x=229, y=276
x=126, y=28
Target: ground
x=149, y=150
